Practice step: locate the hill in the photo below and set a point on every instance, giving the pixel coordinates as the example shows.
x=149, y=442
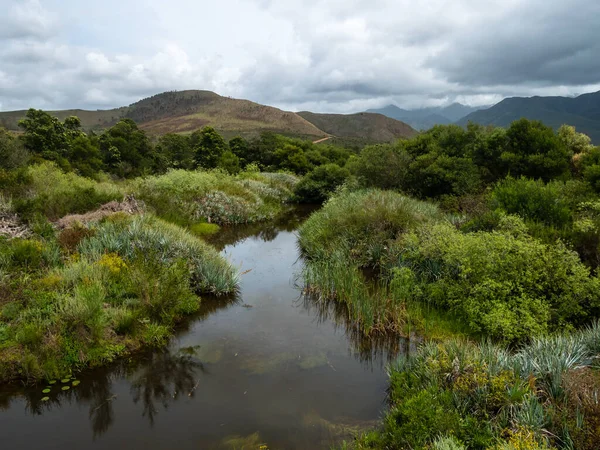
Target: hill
x=425, y=118
x=367, y=127
x=186, y=111
x=583, y=112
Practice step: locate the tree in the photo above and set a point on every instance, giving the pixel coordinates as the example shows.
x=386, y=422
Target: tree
x=317, y=186
x=44, y=134
x=126, y=150
x=85, y=157
x=384, y=166
x=176, y=151
x=229, y=162
x=241, y=148
x=535, y=151
x=209, y=147
x=12, y=151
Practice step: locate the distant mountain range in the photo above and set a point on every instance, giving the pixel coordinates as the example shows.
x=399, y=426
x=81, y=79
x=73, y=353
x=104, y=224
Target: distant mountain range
x=425, y=118
x=186, y=111
x=583, y=112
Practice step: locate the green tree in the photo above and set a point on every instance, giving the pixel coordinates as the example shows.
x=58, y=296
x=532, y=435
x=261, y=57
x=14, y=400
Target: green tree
x=240, y=147
x=85, y=157
x=12, y=151
x=175, y=150
x=535, y=151
x=126, y=150
x=229, y=162
x=317, y=186
x=384, y=166
x=44, y=134
x=208, y=146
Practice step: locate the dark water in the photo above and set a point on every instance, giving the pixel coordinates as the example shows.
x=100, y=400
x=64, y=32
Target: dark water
x=269, y=367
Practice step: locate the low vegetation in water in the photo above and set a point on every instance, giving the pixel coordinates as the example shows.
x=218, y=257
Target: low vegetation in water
x=97, y=292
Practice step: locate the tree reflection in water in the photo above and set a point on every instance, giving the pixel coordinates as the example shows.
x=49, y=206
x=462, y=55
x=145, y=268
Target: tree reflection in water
x=163, y=379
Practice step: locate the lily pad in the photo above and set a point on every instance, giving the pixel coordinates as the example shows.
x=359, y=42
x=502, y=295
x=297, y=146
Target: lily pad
x=46, y=391
x=76, y=382
x=65, y=380
x=52, y=382
x=66, y=388
x=45, y=399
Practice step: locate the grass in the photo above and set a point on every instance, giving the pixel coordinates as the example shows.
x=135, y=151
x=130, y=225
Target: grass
x=188, y=198
x=458, y=395
x=119, y=285
x=361, y=224
x=354, y=230
x=48, y=191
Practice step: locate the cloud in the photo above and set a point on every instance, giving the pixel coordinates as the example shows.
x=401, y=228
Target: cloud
x=330, y=56
x=27, y=19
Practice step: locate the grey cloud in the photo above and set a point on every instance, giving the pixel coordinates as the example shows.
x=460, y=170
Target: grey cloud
x=329, y=56
x=540, y=43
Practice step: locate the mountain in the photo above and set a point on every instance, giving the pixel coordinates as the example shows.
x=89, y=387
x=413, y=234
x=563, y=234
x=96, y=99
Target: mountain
x=186, y=111
x=583, y=112
x=425, y=118
x=368, y=127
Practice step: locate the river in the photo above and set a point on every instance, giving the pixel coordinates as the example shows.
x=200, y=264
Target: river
x=269, y=367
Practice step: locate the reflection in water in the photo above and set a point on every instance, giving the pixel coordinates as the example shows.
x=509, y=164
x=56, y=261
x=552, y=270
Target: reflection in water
x=381, y=347
x=164, y=379
x=266, y=232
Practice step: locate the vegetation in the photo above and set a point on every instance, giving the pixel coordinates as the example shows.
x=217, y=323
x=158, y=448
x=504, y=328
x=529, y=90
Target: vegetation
x=93, y=293
x=459, y=395
x=498, y=228
x=510, y=253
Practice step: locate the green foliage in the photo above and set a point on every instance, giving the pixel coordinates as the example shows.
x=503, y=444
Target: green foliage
x=12, y=151
x=175, y=151
x=320, y=183
x=230, y=163
x=533, y=200
x=190, y=197
x=482, y=396
x=54, y=193
x=535, y=151
x=124, y=284
x=209, y=147
x=126, y=150
x=362, y=224
x=383, y=166
x=505, y=284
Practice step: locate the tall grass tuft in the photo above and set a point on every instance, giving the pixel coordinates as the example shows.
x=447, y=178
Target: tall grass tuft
x=167, y=243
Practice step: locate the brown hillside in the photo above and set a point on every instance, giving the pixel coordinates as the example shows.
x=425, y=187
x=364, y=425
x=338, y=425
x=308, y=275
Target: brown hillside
x=369, y=127
x=186, y=111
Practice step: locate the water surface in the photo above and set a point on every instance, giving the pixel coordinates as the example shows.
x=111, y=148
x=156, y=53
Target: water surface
x=268, y=367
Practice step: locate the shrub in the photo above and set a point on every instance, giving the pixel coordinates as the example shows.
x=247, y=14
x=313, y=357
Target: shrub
x=504, y=283
x=55, y=193
x=319, y=184
x=188, y=197
x=362, y=223
x=168, y=243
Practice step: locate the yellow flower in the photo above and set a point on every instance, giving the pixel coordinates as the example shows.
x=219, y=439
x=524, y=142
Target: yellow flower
x=113, y=262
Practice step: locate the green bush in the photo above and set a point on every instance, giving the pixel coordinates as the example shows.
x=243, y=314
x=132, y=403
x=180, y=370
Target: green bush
x=55, y=194
x=189, y=197
x=504, y=283
x=533, y=200
x=362, y=223
x=318, y=185
x=456, y=395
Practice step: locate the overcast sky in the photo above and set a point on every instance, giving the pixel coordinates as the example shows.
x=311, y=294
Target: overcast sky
x=324, y=56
